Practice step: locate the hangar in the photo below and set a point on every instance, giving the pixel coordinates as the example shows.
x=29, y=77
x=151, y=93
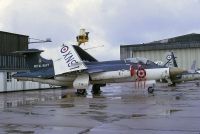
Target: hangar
x=186, y=48
x=11, y=63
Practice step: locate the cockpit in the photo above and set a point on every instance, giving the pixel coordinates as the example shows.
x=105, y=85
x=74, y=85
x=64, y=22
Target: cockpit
x=139, y=60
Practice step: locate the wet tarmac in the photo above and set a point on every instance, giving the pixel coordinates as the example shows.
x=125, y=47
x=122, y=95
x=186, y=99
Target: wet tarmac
x=120, y=109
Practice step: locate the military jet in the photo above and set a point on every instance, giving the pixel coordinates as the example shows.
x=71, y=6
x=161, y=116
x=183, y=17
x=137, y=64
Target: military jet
x=191, y=74
x=78, y=69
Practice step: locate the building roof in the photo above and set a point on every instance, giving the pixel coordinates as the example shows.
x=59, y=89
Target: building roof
x=179, y=42
x=29, y=51
x=13, y=33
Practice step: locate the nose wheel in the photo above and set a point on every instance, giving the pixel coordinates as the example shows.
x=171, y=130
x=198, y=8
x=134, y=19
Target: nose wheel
x=150, y=90
x=81, y=91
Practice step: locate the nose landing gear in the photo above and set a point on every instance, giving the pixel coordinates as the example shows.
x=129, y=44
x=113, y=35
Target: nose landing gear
x=150, y=90
x=81, y=92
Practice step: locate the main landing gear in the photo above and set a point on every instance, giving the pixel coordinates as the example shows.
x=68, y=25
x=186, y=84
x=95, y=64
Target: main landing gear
x=172, y=84
x=96, y=89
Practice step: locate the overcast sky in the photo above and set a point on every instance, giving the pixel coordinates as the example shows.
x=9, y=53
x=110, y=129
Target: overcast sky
x=110, y=22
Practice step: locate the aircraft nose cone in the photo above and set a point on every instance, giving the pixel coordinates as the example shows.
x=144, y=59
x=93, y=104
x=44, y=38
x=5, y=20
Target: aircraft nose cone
x=173, y=71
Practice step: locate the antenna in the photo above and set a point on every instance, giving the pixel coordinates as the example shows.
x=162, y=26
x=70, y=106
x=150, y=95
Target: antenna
x=94, y=47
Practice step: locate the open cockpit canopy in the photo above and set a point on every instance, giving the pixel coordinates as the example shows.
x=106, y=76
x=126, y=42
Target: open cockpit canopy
x=139, y=60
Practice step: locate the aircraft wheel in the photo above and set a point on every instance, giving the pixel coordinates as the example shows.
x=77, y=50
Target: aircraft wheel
x=172, y=85
x=81, y=91
x=96, y=89
x=150, y=90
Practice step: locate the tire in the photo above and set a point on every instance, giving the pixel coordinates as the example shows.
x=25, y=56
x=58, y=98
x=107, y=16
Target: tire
x=96, y=89
x=81, y=91
x=150, y=90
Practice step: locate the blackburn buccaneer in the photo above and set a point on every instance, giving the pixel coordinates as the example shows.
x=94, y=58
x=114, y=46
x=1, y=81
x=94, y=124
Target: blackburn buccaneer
x=78, y=69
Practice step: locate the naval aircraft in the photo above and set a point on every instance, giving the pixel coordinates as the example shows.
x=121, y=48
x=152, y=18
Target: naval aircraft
x=78, y=69
x=191, y=74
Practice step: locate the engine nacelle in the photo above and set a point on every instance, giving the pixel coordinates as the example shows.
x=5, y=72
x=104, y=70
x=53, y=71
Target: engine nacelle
x=111, y=75
x=81, y=81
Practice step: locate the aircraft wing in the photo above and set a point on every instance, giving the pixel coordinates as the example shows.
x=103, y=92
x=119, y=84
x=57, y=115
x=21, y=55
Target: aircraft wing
x=90, y=71
x=41, y=73
x=97, y=67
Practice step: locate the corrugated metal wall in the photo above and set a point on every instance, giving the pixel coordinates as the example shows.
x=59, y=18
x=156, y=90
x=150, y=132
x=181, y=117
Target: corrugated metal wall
x=12, y=62
x=10, y=42
x=185, y=57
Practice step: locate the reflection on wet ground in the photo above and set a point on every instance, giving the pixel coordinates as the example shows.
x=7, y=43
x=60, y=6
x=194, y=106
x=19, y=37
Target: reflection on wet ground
x=119, y=109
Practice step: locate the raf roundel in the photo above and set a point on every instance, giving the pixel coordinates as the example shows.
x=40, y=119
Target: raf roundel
x=64, y=49
x=169, y=57
x=141, y=73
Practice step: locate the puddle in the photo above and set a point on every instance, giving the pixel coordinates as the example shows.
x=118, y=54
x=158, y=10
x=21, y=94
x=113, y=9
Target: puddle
x=174, y=110
x=102, y=118
x=138, y=115
x=115, y=98
x=84, y=113
x=10, y=100
x=97, y=106
x=66, y=105
x=67, y=95
x=177, y=97
x=96, y=112
x=16, y=129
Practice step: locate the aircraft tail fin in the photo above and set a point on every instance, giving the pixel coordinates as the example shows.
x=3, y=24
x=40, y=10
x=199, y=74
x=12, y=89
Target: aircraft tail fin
x=171, y=60
x=32, y=57
x=69, y=60
x=84, y=55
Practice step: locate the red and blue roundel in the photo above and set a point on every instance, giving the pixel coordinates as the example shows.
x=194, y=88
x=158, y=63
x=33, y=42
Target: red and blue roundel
x=64, y=49
x=141, y=73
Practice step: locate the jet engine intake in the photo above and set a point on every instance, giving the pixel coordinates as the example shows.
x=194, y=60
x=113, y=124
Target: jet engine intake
x=81, y=81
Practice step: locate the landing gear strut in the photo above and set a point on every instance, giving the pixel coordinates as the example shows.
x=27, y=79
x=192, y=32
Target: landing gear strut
x=150, y=90
x=172, y=84
x=81, y=91
x=96, y=89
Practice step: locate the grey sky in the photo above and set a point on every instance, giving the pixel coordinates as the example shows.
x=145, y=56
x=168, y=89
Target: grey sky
x=110, y=22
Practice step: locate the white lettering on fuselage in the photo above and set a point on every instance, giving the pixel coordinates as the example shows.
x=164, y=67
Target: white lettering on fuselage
x=41, y=65
x=69, y=57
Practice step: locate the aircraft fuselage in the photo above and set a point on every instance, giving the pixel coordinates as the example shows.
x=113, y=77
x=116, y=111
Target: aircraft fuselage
x=104, y=77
